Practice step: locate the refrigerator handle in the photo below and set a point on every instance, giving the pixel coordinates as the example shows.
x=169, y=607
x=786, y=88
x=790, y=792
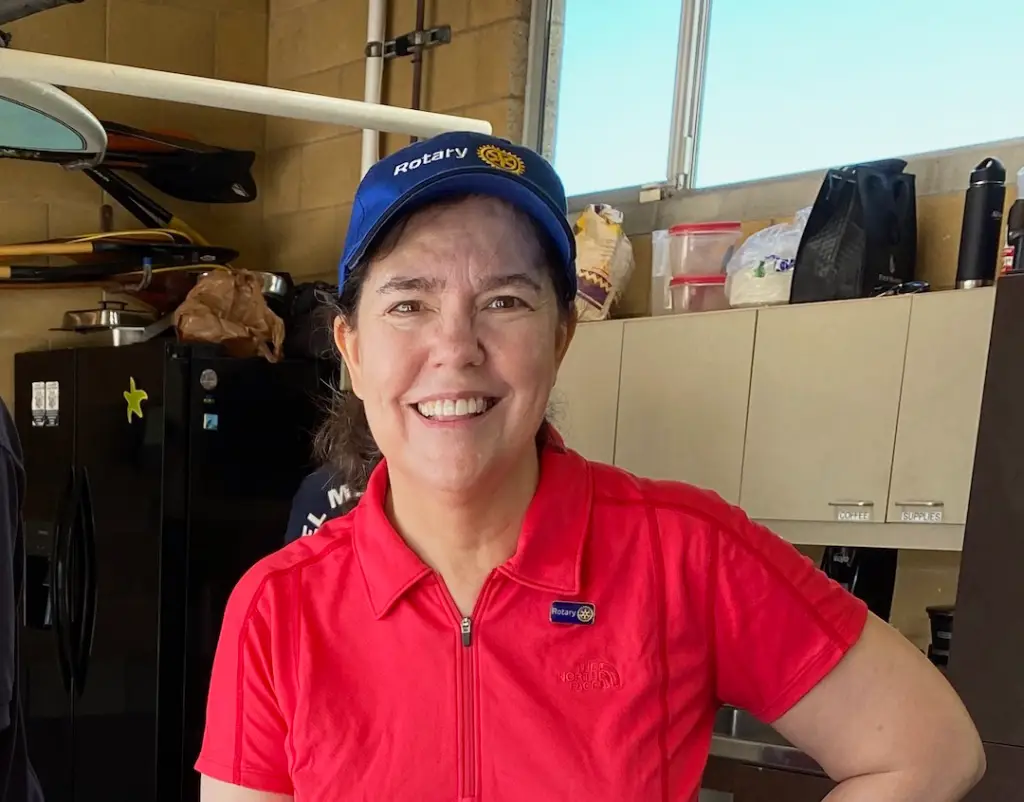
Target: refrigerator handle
x=89, y=584
x=59, y=585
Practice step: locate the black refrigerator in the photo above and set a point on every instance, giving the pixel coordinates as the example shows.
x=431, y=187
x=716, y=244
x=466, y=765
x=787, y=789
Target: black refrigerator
x=157, y=474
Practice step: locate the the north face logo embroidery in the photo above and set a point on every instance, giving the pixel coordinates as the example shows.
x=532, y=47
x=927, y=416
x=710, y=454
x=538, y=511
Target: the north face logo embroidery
x=592, y=675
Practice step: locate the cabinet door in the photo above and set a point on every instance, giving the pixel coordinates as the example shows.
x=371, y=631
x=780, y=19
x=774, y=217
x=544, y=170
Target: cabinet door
x=987, y=651
x=587, y=390
x=824, y=399
x=1001, y=782
x=120, y=454
x=727, y=780
x=48, y=442
x=762, y=784
x=683, y=395
x=943, y=378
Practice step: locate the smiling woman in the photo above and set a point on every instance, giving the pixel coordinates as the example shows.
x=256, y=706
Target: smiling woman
x=454, y=348
x=345, y=440
x=499, y=618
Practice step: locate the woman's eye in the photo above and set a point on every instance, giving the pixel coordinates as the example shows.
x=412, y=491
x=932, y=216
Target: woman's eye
x=406, y=307
x=505, y=302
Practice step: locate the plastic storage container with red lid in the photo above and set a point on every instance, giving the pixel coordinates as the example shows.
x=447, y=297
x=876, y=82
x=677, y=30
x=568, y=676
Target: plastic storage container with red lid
x=689, y=249
x=698, y=293
x=701, y=249
x=714, y=227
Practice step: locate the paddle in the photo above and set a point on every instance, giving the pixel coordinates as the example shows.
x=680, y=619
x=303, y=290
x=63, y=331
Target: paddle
x=146, y=210
x=171, y=253
x=181, y=167
x=34, y=274
x=140, y=234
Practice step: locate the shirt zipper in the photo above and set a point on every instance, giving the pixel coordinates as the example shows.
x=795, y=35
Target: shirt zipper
x=466, y=687
x=468, y=730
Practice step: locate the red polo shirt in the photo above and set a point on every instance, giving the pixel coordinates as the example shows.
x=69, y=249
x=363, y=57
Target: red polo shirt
x=591, y=668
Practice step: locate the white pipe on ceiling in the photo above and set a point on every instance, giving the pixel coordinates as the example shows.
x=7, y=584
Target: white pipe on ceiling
x=121, y=80
x=374, y=75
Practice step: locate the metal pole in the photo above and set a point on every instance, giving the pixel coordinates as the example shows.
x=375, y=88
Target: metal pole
x=137, y=82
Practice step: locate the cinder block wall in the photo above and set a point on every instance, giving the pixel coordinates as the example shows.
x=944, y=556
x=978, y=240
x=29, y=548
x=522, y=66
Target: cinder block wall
x=211, y=38
x=317, y=46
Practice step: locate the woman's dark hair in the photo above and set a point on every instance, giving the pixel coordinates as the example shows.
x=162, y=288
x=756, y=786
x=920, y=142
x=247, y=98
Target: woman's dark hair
x=344, y=440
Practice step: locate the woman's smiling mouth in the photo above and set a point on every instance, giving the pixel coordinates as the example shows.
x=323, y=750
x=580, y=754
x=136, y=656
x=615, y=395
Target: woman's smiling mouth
x=453, y=409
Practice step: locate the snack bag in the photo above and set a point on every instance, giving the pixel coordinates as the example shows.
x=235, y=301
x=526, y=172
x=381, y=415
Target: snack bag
x=604, y=260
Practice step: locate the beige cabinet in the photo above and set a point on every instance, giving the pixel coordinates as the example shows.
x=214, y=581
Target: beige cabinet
x=824, y=400
x=943, y=379
x=683, y=392
x=586, y=394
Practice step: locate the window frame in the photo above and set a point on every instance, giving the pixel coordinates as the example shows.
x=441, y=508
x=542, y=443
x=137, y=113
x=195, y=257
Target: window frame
x=691, y=61
x=691, y=50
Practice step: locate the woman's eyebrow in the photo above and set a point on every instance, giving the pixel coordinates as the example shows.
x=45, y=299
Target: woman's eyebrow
x=410, y=284
x=511, y=280
x=426, y=285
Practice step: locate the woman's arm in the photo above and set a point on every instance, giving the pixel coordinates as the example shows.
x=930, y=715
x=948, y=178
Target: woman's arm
x=887, y=725
x=795, y=649
x=211, y=790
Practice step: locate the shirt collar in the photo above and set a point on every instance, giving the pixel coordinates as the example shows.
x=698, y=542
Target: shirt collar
x=549, y=554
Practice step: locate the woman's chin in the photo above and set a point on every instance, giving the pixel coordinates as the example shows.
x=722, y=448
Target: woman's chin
x=456, y=476
x=461, y=471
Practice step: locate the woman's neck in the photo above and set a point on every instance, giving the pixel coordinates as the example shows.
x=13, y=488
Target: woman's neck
x=464, y=537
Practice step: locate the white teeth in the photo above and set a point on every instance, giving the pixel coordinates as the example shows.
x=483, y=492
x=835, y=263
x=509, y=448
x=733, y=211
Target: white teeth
x=452, y=408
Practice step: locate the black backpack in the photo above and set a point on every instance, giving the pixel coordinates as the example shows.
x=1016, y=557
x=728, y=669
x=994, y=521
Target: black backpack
x=309, y=320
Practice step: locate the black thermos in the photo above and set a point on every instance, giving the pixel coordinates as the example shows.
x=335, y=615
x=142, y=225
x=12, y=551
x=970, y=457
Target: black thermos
x=980, y=243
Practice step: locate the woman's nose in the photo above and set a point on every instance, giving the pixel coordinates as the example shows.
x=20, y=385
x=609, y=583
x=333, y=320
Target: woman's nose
x=458, y=341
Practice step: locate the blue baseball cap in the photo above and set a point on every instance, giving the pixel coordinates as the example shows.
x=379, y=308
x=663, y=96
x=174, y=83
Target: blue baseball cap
x=451, y=164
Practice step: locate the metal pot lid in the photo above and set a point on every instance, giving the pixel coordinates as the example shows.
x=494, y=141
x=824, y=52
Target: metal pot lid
x=274, y=285
x=109, y=315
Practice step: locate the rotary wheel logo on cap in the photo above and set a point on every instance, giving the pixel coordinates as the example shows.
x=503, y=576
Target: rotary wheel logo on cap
x=501, y=159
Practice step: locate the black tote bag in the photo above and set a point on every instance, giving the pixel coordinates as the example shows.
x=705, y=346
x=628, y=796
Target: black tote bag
x=861, y=236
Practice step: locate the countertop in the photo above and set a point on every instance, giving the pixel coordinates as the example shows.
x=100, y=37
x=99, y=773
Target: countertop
x=740, y=736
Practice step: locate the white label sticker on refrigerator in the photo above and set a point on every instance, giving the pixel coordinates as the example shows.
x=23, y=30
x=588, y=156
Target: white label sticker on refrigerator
x=52, y=403
x=38, y=403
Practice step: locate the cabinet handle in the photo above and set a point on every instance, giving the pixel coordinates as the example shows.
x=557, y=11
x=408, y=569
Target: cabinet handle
x=919, y=504
x=851, y=504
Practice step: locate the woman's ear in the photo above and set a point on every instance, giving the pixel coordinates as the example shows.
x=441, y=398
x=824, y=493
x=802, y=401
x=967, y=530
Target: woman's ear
x=346, y=340
x=566, y=331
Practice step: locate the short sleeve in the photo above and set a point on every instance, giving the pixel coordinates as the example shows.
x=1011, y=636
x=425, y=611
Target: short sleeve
x=246, y=731
x=780, y=625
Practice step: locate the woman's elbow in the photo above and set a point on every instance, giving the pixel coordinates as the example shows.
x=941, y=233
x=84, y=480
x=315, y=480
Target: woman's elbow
x=953, y=770
x=975, y=762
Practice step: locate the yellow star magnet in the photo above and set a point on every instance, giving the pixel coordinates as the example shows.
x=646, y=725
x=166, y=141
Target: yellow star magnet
x=134, y=397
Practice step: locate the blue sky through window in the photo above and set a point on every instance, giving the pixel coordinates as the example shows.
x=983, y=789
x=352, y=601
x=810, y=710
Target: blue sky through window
x=790, y=85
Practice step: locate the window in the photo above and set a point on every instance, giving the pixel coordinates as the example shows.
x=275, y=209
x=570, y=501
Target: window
x=610, y=119
x=758, y=90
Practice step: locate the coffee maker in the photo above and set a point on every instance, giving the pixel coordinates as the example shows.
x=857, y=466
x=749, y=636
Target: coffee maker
x=868, y=573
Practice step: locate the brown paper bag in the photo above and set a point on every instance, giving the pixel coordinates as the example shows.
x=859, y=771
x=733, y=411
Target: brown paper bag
x=228, y=307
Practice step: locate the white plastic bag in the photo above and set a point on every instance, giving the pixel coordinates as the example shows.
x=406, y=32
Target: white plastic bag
x=760, y=272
